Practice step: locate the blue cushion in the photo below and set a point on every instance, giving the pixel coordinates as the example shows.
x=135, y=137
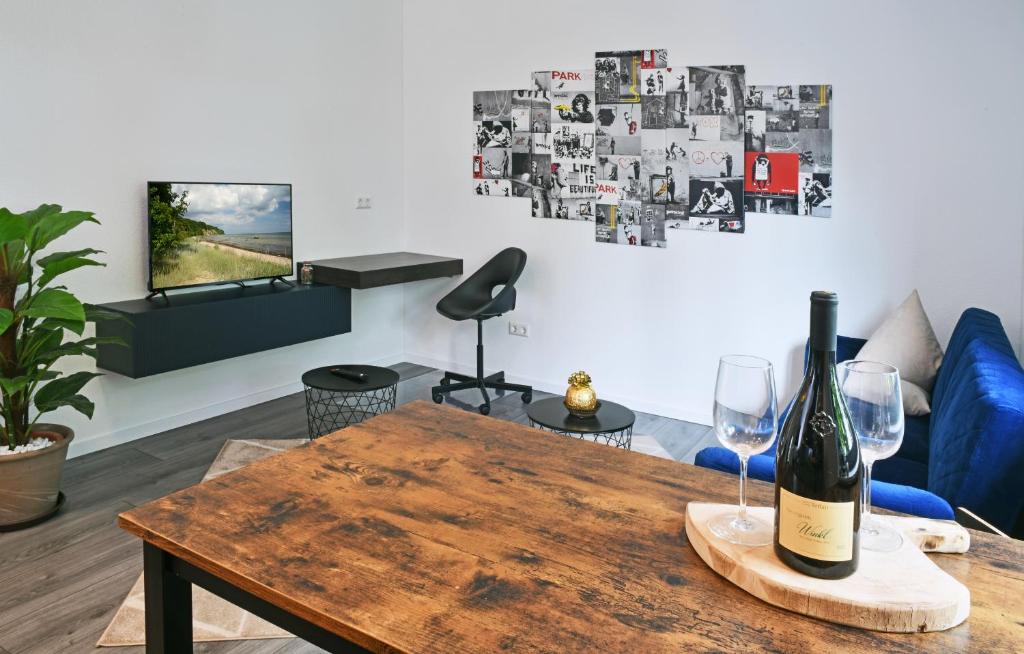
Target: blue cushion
x=916, y=438
x=895, y=497
x=901, y=471
x=977, y=424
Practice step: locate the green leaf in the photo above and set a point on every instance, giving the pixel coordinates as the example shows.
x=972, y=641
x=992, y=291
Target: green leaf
x=12, y=385
x=76, y=326
x=13, y=227
x=64, y=265
x=55, y=303
x=82, y=404
x=37, y=340
x=83, y=347
x=94, y=313
x=6, y=318
x=58, y=256
x=48, y=222
x=58, y=392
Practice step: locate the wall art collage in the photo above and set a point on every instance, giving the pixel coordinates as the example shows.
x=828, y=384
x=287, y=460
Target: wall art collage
x=643, y=149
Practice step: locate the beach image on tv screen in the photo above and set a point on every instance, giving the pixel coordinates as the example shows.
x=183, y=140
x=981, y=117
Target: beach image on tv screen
x=209, y=233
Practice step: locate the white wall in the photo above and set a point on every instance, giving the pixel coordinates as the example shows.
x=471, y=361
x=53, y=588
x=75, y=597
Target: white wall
x=927, y=165
x=98, y=97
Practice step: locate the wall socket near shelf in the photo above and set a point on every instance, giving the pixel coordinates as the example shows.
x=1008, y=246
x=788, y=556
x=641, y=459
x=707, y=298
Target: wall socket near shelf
x=364, y=203
x=518, y=329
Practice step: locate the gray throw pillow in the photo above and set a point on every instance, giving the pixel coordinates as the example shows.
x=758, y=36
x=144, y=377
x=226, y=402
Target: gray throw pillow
x=906, y=340
x=916, y=400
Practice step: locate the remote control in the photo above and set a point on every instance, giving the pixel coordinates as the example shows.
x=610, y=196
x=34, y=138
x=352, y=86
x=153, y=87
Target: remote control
x=344, y=373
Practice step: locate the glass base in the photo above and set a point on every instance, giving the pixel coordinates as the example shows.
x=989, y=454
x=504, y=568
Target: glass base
x=877, y=537
x=748, y=531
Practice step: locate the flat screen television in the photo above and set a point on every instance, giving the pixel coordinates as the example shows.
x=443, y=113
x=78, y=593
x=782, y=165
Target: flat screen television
x=212, y=233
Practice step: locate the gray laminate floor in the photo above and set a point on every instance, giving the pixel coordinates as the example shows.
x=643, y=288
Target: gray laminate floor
x=61, y=582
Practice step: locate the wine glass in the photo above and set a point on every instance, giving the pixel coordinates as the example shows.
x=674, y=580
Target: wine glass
x=746, y=419
x=872, y=392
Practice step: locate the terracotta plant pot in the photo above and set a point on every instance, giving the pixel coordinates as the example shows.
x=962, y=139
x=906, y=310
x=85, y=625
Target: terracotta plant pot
x=30, y=481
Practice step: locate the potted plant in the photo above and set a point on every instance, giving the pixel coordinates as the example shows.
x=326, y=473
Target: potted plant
x=40, y=324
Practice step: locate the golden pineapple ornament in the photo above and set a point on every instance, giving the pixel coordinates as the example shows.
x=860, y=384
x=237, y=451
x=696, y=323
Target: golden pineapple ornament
x=580, y=398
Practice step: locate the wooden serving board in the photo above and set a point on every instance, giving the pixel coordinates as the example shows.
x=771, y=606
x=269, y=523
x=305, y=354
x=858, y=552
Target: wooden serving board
x=902, y=591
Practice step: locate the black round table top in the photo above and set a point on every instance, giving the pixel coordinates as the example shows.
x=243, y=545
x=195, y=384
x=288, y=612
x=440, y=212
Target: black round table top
x=324, y=379
x=551, y=413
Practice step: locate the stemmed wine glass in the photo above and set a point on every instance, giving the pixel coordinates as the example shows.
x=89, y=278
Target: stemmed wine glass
x=872, y=392
x=746, y=419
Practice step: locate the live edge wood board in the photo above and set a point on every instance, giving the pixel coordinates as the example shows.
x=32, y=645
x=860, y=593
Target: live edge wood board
x=436, y=530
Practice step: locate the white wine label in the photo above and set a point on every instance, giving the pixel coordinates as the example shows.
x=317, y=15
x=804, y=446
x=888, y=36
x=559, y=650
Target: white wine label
x=819, y=530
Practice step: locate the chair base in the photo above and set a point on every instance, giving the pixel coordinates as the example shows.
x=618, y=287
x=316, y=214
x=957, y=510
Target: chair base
x=454, y=381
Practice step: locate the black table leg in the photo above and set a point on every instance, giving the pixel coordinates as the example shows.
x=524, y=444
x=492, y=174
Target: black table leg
x=168, y=604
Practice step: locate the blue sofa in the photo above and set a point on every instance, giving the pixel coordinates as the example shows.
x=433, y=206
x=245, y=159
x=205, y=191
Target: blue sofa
x=969, y=452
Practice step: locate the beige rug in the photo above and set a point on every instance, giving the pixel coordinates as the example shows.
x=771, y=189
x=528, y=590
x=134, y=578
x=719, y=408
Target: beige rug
x=212, y=618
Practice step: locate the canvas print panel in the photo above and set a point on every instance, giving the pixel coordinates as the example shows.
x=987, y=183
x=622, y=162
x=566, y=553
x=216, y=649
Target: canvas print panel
x=617, y=76
x=815, y=195
x=492, y=105
x=498, y=188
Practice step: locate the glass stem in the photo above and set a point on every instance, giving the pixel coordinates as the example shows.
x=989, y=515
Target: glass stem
x=743, y=489
x=866, y=502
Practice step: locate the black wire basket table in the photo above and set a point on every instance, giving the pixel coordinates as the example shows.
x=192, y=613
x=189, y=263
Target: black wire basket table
x=611, y=425
x=334, y=402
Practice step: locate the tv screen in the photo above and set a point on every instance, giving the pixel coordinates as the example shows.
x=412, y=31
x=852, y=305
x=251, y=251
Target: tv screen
x=207, y=233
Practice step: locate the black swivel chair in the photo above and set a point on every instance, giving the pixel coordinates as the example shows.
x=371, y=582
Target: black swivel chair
x=474, y=298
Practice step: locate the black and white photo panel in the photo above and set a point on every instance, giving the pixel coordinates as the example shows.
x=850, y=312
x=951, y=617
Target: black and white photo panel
x=492, y=105
x=575, y=107
x=815, y=197
x=618, y=119
x=611, y=145
x=498, y=188
x=654, y=112
x=718, y=200
x=617, y=76
x=652, y=228
x=716, y=159
x=815, y=101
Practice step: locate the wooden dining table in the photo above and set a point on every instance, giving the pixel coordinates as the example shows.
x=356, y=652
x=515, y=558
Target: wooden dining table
x=432, y=529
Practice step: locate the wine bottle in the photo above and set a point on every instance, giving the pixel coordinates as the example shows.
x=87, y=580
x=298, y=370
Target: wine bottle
x=817, y=464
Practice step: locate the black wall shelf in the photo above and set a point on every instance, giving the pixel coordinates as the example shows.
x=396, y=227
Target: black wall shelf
x=373, y=270
x=190, y=329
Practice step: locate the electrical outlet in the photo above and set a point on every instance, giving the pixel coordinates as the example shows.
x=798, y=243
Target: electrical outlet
x=364, y=203
x=518, y=329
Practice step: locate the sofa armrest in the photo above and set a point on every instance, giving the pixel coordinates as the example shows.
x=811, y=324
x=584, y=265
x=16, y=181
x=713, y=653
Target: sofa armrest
x=976, y=442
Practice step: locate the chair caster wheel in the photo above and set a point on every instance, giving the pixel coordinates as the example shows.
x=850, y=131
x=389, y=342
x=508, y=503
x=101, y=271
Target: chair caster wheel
x=485, y=409
x=528, y=397
x=438, y=398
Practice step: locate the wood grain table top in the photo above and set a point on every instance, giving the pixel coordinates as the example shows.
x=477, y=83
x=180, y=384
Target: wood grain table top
x=431, y=529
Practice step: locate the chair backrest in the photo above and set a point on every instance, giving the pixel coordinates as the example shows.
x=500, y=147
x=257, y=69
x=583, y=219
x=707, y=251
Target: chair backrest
x=473, y=297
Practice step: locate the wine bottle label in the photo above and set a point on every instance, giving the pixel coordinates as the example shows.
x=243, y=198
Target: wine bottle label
x=815, y=529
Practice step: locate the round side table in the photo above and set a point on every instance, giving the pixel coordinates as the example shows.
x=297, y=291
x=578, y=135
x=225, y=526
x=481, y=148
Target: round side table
x=611, y=425
x=333, y=402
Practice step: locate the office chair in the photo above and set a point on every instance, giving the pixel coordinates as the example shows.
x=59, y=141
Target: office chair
x=474, y=298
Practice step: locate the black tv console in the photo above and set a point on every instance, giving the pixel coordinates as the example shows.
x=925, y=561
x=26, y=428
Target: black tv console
x=190, y=329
